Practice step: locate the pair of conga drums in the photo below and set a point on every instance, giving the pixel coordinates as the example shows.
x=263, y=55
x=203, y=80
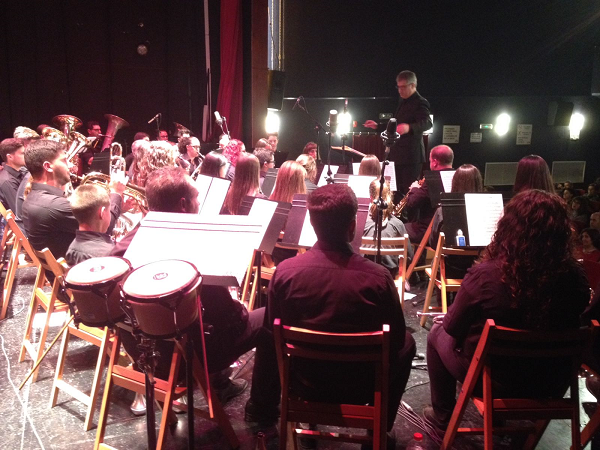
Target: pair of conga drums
x=159, y=297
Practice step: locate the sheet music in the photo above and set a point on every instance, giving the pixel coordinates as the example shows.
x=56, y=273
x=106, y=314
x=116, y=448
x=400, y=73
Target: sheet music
x=483, y=213
x=203, y=185
x=215, y=198
x=360, y=185
x=308, y=238
x=323, y=177
x=446, y=176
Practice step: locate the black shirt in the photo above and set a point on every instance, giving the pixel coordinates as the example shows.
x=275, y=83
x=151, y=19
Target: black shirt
x=88, y=244
x=10, y=179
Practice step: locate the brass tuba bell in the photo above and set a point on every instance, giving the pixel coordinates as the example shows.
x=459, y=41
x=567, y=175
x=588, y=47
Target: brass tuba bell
x=115, y=123
x=25, y=133
x=66, y=124
x=52, y=134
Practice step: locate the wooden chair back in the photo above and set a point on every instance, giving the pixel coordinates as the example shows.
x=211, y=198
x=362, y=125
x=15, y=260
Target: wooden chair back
x=374, y=347
x=497, y=341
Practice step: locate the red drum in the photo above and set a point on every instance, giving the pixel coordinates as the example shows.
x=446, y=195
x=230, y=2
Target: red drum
x=93, y=284
x=162, y=297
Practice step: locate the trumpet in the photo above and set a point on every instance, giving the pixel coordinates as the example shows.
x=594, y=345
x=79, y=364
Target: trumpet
x=402, y=203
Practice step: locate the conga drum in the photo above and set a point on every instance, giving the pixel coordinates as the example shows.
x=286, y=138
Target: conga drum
x=93, y=284
x=163, y=297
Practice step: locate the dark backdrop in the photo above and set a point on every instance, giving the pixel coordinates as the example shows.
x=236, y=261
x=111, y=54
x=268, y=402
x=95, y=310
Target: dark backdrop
x=79, y=57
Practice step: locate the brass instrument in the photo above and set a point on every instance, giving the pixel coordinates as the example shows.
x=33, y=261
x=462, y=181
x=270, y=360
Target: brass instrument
x=181, y=130
x=115, y=123
x=397, y=212
x=117, y=162
x=66, y=123
x=75, y=141
x=130, y=217
x=25, y=133
x=52, y=134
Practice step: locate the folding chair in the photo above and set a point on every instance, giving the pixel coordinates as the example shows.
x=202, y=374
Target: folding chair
x=498, y=341
x=419, y=251
x=390, y=247
x=16, y=259
x=291, y=342
x=592, y=427
x=257, y=271
x=443, y=283
x=40, y=299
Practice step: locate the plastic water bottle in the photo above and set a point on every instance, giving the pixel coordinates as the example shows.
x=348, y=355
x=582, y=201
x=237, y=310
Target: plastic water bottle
x=416, y=443
x=460, y=238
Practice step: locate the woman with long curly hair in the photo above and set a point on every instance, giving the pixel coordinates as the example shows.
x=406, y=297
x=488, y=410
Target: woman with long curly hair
x=246, y=182
x=289, y=181
x=152, y=156
x=527, y=279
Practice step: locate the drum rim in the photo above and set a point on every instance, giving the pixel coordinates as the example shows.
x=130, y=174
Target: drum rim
x=193, y=285
x=90, y=286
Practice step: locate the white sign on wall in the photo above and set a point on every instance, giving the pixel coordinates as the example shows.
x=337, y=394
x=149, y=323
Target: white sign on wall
x=524, y=133
x=476, y=137
x=451, y=134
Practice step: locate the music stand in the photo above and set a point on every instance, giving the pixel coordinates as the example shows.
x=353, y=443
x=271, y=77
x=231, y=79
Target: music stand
x=269, y=181
x=101, y=163
x=253, y=205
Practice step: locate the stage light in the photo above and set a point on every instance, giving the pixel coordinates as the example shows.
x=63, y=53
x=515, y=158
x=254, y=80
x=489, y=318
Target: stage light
x=344, y=123
x=575, y=125
x=272, y=122
x=502, y=123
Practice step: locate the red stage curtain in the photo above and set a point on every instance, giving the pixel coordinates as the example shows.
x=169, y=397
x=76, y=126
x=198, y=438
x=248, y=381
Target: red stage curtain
x=229, y=100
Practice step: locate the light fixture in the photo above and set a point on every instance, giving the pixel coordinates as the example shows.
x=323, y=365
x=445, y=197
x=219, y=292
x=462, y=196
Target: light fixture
x=575, y=125
x=272, y=121
x=344, y=123
x=502, y=123
x=142, y=48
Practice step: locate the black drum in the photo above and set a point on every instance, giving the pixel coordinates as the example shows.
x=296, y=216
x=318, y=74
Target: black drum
x=93, y=284
x=163, y=297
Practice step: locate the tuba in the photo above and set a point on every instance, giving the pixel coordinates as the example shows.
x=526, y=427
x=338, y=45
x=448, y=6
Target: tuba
x=115, y=123
x=75, y=141
x=25, y=133
x=52, y=134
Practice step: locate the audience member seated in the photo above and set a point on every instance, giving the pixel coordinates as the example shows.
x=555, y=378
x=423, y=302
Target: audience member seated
x=266, y=160
x=580, y=212
x=47, y=214
x=527, y=279
x=234, y=330
x=13, y=155
x=310, y=166
x=232, y=152
x=310, y=149
x=568, y=194
x=330, y=288
x=246, y=182
x=214, y=165
x=91, y=207
x=592, y=193
x=391, y=227
x=595, y=220
x=589, y=249
x=370, y=166
x=533, y=173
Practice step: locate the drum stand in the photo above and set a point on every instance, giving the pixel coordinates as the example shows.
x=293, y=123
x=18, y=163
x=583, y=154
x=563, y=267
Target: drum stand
x=147, y=363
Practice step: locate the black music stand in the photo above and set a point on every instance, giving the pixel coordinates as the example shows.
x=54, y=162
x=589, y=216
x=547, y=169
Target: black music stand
x=101, y=163
x=269, y=181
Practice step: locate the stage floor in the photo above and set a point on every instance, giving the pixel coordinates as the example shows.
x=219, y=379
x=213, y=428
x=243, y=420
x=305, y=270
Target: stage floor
x=29, y=423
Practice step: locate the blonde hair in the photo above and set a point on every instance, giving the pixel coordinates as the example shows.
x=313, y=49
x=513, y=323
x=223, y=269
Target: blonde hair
x=86, y=201
x=245, y=182
x=386, y=197
x=309, y=164
x=152, y=156
x=290, y=181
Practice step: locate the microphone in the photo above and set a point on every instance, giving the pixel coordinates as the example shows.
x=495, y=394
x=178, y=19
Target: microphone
x=333, y=121
x=218, y=118
x=154, y=118
x=390, y=135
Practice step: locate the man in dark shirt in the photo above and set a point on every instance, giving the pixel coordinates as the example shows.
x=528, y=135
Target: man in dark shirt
x=331, y=288
x=13, y=155
x=47, y=215
x=266, y=160
x=412, y=116
x=91, y=207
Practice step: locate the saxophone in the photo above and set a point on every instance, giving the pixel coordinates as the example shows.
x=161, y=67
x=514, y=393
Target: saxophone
x=402, y=203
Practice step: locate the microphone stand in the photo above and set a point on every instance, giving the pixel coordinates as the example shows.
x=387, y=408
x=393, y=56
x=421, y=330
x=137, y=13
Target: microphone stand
x=329, y=178
x=157, y=122
x=318, y=127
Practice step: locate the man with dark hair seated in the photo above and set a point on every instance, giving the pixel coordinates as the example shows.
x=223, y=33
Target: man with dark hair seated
x=234, y=330
x=91, y=207
x=330, y=288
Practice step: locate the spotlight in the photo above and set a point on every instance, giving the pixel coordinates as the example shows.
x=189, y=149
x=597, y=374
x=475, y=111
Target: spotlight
x=502, y=123
x=272, y=121
x=142, y=49
x=344, y=123
x=575, y=125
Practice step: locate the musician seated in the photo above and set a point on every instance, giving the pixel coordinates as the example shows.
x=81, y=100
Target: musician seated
x=234, y=330
x=47, y=214
x=152, y=156
x=370, y=166
x=330, y=288
x=214, y=165
x=273, y=140
x=309, y=164
x=266, y=161
x=392, y=227
x=232, y=151
x=13, y=155
x=246, y=182
x=310, y=149
x=189, y=149
x=91, y=207
x=139, y=136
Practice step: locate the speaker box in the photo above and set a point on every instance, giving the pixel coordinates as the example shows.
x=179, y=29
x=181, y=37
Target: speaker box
x=276, y=88
x=559, y=113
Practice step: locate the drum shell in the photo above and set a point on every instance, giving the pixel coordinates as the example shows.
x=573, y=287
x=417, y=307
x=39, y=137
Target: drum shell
x=91, y=306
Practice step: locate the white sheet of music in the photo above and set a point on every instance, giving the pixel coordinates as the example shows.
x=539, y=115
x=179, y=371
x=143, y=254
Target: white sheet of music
x=308, y=238
x=360, y=185
x=323, y=177
x=446, y=176
x=483, y=213
x=203, y=185
x=215, y=197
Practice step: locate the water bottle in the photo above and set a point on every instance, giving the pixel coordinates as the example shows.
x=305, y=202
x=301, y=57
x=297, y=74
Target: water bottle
x=416, y=443
x=460, y=238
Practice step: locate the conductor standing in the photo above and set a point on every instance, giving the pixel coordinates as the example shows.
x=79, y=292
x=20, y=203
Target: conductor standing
x=413, y=118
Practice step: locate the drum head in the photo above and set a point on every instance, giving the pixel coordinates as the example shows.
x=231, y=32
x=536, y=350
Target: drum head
x=95, y=271
x=160, y=279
